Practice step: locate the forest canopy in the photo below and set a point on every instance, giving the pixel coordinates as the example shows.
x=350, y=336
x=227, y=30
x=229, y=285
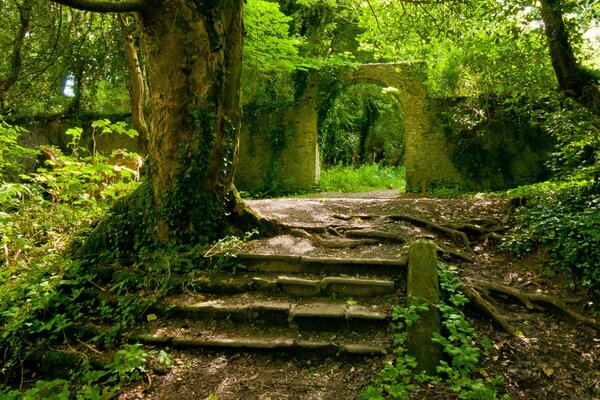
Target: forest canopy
x=97, y=233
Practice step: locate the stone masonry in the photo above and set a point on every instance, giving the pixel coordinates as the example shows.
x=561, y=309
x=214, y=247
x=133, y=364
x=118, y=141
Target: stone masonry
x=297, y=165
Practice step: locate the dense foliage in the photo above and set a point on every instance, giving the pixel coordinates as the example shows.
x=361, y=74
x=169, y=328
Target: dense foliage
x=485, y=62
x=564, y=219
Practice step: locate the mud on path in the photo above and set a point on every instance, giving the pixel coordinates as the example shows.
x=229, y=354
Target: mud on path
x=555, y=357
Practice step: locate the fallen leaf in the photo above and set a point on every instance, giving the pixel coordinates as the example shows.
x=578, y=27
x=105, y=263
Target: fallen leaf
x=151, y=317
x=548, y=371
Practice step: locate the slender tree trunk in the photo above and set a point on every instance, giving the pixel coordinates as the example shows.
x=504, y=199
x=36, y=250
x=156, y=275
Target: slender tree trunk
x=25, y=14
x=138, y=92
x=573, y=80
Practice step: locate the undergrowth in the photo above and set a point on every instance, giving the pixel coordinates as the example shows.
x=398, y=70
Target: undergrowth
x=51, y=304
x=458, y=372
x=363, y=179
x=45, y=301
x=563, y=217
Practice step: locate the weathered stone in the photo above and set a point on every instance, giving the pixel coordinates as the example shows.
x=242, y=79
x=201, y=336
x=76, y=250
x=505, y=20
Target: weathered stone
x=234, y=342
x=361, y=349
x=151, y=338
x=274, y=313
x=299, y=287
x=320, y=345
x=264, y=284
x=269, y=262
x=212, y=310
x=363, y=313
x=349, y=266
x=222, y=283
x=357, y=287
x=318, y=316
x=423, y=285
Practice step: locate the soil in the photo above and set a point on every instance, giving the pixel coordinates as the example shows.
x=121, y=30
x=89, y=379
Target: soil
x=554, y=358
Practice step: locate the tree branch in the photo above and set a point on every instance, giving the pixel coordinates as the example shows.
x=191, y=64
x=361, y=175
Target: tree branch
x=105, y=6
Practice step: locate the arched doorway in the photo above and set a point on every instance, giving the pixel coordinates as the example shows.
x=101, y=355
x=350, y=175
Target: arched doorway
x=363, y=127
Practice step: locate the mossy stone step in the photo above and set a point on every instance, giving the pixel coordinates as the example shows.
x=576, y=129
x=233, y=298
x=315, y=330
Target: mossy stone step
x=300, y=286
x=313, y=316
x=271, y=339
x=278, y=263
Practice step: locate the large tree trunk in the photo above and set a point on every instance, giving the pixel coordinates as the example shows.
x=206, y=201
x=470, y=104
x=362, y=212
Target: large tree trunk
x=573, y=80
x=193, y=50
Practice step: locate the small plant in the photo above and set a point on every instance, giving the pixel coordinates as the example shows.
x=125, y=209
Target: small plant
x=129, y=363
x=458, y=372
x=222, y=253
x=563, y=217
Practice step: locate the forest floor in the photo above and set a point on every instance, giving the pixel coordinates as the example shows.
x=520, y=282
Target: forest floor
x=552, y=357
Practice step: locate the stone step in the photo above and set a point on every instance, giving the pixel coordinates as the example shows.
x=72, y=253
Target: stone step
x=320, y=265
x=192, y=334
x=317, y=316
x=299, y=286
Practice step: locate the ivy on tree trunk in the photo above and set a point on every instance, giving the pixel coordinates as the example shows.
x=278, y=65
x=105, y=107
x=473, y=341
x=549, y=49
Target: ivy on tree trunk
x=193, y=51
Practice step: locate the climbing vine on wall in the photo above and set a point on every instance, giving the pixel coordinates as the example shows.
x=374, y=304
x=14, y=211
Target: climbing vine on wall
x=496, y=141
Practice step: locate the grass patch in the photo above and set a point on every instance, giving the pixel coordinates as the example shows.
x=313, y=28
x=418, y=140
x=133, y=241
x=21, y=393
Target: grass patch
x=366, y=178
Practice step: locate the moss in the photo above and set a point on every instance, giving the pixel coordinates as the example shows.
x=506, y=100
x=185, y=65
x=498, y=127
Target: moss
x=494, y=145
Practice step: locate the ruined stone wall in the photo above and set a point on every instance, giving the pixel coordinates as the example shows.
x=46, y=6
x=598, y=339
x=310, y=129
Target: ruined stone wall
x=279, y=148
x=296, y=164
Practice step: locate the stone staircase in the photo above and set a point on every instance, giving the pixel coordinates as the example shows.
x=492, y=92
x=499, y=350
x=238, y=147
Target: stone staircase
x=322, y=306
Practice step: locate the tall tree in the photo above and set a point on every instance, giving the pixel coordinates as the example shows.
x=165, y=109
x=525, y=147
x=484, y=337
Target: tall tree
x=193, y=49
x=572, y=79
x=16, y=61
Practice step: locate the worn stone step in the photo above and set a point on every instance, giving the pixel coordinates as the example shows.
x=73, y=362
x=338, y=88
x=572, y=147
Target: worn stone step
x=194, y=334
x=332, y=315
x=298, y=285
x=320, y=265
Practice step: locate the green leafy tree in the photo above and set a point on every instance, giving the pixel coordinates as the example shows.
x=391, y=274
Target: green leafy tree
x=193, y=50
x=270, y=54
x=48, y=48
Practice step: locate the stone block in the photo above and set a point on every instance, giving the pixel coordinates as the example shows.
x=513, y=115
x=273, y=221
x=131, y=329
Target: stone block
x=318, y=316
x=273, y=313
x=299, y=287
x=423, y=285
x=269, y=262
x=357, y=287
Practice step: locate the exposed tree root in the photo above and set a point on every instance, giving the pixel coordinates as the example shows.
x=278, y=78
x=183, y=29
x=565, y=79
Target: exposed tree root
x=488, y=309
x=374, y=234
x=357, y=216
x=481, y=291
x=480, y=229
x=360, y=238
x=454, y=255
x=432, y=225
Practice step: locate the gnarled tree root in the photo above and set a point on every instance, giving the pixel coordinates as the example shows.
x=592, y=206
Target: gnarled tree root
x=480, y=292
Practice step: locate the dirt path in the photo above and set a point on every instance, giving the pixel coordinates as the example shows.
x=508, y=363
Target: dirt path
x=555, y=358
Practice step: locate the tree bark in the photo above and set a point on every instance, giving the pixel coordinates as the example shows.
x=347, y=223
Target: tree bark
x=573, y=80
x=193, y=51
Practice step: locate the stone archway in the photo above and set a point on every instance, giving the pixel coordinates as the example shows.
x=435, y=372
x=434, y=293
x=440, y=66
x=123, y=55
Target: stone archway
x=426, y=155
